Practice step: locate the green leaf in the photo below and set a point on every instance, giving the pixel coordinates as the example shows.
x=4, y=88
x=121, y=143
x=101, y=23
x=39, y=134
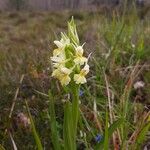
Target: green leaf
x=116, y=124
x=53, y=123
x=35, y=134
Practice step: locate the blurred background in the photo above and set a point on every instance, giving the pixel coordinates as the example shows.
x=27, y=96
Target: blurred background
x=117, y=32
x=53, y=5
x=63, y=4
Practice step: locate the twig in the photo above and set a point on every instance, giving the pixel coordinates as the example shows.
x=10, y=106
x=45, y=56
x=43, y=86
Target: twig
x=109, y=99
x=131, y=67
x=15, y=97
x=96, y=117
x=14, y=102
x=110, y=107
x=13, y=142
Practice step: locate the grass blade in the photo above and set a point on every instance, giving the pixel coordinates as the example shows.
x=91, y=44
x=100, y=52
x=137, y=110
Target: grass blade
x=116, y=124
x=108, y=133
x=142, y=134
x=1, y=147
x=35, y=134
x=103, y=144
x=106, y=138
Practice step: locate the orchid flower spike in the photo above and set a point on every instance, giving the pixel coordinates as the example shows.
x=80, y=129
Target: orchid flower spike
x=68, y=58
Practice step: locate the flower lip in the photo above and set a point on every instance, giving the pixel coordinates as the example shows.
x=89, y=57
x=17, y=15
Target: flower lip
x=57, y=59
x=65, y=80
x=63, y=75
x=80, y=78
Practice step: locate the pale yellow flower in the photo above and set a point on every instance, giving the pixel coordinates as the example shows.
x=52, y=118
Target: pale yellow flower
x=56, y=73
x=60, y=48
x=57, y=51
x=61, y=45
x=80, y=78
x=79, y=58
x=59, y=62
x=63, y=75
x=65, y=78
x=57, y=59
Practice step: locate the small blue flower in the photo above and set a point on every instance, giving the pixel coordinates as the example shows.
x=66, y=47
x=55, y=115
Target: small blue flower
x=98, y=138
x=81, y=93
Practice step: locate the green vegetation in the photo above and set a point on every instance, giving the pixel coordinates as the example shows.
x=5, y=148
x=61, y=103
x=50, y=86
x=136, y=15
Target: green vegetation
x=114, y=108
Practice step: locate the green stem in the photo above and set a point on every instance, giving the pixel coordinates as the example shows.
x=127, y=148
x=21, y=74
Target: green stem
x=75, y=111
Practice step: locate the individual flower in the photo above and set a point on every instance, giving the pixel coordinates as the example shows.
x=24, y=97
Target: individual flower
x=56, y=73
x=65, y=78
x=57, y=51
x=79, y=58
x=80, y=78
x=59, y=61
x=98, y=138
x=63, y=75
x=81, y=92
x=60, y=46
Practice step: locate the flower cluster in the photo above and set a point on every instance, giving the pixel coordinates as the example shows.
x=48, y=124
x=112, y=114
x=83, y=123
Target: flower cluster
x=68, y=60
